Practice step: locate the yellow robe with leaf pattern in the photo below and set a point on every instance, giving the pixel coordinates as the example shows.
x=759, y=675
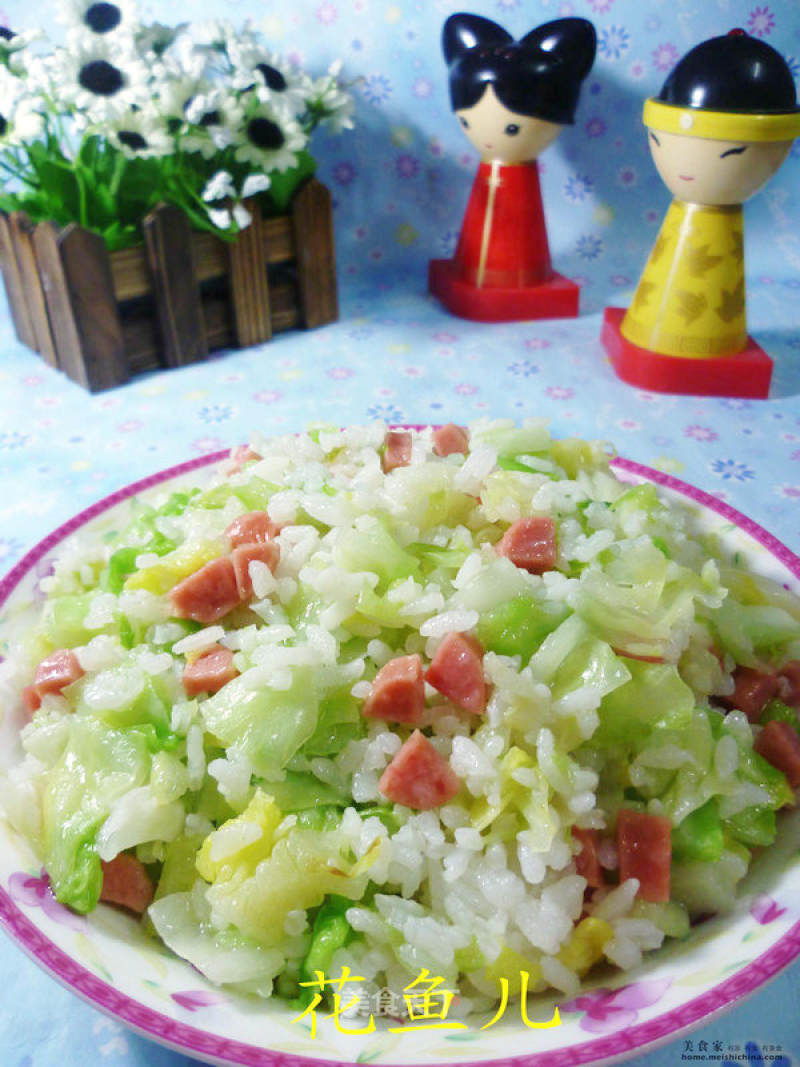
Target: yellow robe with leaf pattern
x=690, y=299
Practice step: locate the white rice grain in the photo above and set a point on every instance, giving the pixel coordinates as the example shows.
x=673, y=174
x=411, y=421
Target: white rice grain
x=200, y=641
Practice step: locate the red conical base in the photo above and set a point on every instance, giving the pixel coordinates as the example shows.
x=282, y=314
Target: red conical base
x=745, y=374
x=553, y=299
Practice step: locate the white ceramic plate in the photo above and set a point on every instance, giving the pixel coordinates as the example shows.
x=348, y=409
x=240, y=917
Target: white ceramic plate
x=106, y=959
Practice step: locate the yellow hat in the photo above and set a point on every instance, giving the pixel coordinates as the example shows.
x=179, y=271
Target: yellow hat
x=721, y=125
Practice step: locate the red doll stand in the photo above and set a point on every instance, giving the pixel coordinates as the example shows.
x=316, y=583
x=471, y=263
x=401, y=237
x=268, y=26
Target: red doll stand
x=512, y=99
x=501, y=270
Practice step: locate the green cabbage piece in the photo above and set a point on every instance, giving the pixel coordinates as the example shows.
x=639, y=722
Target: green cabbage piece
x=98, y=765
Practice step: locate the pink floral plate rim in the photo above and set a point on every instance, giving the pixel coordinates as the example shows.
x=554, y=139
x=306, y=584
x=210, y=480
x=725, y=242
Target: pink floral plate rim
x=215, y=1048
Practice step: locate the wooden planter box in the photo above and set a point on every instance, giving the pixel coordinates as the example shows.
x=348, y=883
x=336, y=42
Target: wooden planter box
x=101, y=317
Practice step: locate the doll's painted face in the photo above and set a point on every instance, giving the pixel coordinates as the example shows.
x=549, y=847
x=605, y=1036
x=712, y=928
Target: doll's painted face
x=505, y=136
x=701, y=170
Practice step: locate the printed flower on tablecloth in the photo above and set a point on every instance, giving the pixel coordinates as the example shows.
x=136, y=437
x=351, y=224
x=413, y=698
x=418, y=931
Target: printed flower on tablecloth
x=10, y=548
x=700, y=433
x=589, y=247
x=386, y=412
x=376, y=88
x=665, y=57
x=761, y=22
x=216, y=413
x=577, y=187
x=729, y=468
x=613, y=42
x=607, y=1010
x=13, y=440
x=523, y=368
x=344, y=173
x=595, y=126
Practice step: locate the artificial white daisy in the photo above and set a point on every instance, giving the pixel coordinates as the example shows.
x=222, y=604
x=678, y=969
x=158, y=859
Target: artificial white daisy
x=254, y=184
x=100, y=79
x=212, y=37
x=175, y=85
x=99, y=17
x=222, y=187
x=154, y=41
x=140, y=133
x=213, y=120
x=328, y=102
x=21, y=118
x=254, y=67
x=223, y=217
x=219, y=187
x=269, y=138
x=13, y=45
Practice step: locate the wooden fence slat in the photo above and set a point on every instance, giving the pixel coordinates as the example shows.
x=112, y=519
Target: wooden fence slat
x=89, y=311
x=21, y=229
x=312, y=226
x=57, y=298
x=168, y=240
x=90, y=289
x=249, y=290
x=132, y=276
x=17, y=304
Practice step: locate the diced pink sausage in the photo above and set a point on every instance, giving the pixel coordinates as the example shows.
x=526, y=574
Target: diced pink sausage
x=31, y=701
x=450, y=439
x=753, y=690
x=587, y=861
x=531, y=544
x=209, y=672
x=456, y=671
x=397, y=451
x=57, y=671
x=644, y=844
x=418, y=776
x=243, y=555
x=779, y=744
x=398, y=692
x=208, y=594
x=255, y=526
x=127, y=883
x=240, y=455
x=789, y=683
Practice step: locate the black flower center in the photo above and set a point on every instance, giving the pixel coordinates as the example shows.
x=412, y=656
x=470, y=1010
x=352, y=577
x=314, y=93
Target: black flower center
x=131, y=139
x=3, y=125
x=211, y=118
x=102, y=17
x=101, y=77
x=264, y=133
x=173, y=125
x=6, y=33
x=274, y=79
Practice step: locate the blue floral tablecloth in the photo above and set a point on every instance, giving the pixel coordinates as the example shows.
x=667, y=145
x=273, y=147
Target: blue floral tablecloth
x=400, y=183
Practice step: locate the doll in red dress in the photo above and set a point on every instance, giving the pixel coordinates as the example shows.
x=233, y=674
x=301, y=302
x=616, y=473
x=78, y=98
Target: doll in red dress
x=512, y=98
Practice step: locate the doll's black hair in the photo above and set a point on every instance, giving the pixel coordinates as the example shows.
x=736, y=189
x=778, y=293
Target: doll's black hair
x=539, y=75
x=735, y=73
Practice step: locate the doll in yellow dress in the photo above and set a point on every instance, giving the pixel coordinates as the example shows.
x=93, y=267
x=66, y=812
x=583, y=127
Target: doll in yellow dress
x=722, y=125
